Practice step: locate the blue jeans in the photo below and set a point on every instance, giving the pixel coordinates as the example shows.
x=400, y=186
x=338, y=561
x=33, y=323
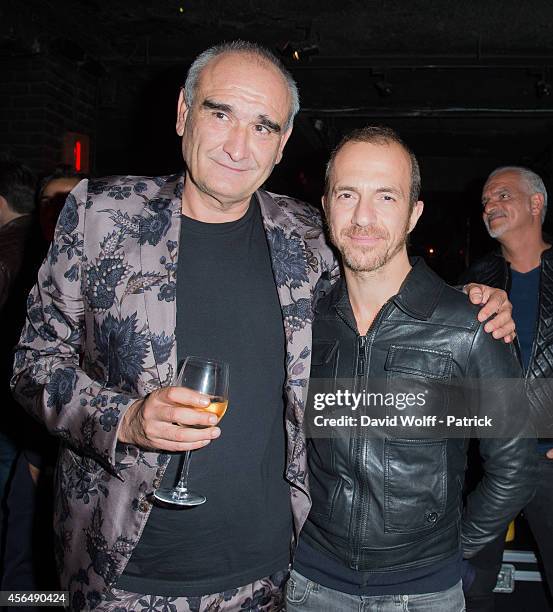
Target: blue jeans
x=303, y=595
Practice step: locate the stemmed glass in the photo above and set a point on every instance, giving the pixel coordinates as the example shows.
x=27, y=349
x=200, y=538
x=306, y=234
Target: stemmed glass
x=211, y=378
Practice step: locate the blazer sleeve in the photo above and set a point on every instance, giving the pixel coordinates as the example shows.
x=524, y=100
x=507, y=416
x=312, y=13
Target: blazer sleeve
x=49, y=379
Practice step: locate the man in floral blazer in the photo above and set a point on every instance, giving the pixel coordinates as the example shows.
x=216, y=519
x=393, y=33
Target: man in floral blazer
x=99, y=352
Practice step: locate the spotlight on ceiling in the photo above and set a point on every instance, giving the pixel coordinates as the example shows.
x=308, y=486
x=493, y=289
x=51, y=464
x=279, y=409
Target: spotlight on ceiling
x=298, y=52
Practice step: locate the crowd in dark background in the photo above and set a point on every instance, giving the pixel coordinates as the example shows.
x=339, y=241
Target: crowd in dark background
x=29, y=209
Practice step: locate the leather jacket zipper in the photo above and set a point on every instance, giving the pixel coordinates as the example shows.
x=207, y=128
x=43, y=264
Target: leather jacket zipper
x=361, y=356
x=361, y=499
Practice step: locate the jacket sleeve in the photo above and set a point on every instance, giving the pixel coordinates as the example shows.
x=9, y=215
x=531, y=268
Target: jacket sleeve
x=51, y=378
x=508, y=449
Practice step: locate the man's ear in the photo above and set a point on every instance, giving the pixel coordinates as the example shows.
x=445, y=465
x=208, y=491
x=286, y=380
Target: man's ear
x=415, y=215
x=182, y=112
x=324, y=204
x=283, y=141
x=537, y=202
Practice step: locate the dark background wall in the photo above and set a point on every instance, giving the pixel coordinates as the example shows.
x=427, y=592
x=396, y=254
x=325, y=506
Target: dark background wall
x=469, y=85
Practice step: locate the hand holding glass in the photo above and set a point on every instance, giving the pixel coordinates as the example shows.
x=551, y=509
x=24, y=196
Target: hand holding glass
x=211, y=378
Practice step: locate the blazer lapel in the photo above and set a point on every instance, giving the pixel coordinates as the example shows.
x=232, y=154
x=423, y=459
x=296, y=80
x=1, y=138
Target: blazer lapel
x=294, y=279
x=159, y=240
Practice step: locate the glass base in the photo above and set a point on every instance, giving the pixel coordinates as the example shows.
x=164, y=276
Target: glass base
x=179, y=497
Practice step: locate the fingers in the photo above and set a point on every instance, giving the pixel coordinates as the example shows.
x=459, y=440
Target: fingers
x=188, y=432
x=502, y=332
x=496, y=304
x=495, y=301
x=178, y=439
x=183, y=396
x=502, y=325
x=172, y=419
x=475, y=293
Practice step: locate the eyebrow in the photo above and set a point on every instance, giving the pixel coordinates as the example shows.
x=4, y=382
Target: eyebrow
x=398, y=192
x=227, y=108
x=495, y=191
x=344, y=188
x=212, y=105
x=378, y=190
x=264, y=120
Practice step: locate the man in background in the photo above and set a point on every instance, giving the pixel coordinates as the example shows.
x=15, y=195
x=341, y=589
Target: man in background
x=19, y=256
x=28, y=562
x=514, y=201
x=51, y=196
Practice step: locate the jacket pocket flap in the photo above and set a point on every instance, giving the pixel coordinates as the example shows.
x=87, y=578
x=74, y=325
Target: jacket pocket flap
x=430, y=363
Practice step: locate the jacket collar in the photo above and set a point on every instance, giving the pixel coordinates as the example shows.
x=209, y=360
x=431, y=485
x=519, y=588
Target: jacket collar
x=418, y=295
x=420, y=292
x=546, y=255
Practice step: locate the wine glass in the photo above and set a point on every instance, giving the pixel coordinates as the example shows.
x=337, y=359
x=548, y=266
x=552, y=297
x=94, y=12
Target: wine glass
x=209, y=377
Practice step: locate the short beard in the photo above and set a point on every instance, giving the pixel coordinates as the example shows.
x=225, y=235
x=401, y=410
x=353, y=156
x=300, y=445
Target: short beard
x=497, y=233
x=356, y=260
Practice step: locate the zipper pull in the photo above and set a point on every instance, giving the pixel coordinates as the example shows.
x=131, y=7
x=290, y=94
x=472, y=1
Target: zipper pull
x=361, y=355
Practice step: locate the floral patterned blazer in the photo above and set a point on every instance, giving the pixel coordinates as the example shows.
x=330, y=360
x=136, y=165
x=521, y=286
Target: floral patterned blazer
x=100, y=333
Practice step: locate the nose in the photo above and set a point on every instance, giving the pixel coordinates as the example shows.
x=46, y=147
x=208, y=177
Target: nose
x=489, y=206
x=236, y=144
x=364, y=213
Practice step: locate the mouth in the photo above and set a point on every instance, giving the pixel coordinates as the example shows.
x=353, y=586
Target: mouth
x=231, y=168
x=365, y=240
x=492, y=218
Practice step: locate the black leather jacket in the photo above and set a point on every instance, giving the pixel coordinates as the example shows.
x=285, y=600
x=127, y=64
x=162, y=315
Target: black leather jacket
x=387, y=503
x=494, y=271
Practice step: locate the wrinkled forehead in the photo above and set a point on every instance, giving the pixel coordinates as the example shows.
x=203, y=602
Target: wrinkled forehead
x=509, y=179
x=368, y=161
x=245, y=73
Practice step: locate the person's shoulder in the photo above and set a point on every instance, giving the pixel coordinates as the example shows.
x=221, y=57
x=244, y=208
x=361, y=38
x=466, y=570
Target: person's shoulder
x=298, y=209
x=493, y=258
x=455, y=310
x=124, y=187
x=487, y=270
x=293, y=215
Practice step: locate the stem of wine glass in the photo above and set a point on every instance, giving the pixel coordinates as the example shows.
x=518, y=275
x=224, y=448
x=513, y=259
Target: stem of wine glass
x=183, y=481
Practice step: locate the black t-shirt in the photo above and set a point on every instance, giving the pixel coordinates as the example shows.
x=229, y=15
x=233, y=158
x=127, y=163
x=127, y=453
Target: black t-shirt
x=227, y=309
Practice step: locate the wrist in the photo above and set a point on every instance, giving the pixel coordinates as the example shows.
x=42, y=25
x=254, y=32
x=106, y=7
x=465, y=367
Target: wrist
x=130, y=423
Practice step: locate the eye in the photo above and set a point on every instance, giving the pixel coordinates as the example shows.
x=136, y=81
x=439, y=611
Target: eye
x=504, y=195
x=220, y=115
x=262, y=129
x=388, y=198
x=344, y=196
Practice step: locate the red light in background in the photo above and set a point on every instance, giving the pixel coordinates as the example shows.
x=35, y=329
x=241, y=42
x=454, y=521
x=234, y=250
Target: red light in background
x=76, y=151
x=77, y=156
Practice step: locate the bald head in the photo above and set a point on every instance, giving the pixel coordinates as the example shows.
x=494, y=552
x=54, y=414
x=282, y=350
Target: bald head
x=253, y=52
